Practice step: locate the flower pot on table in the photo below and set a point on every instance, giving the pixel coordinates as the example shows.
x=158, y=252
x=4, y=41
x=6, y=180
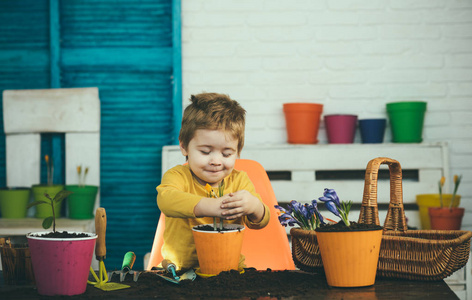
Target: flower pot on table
x=350, y=258
x=61, y=265
x=218, y=251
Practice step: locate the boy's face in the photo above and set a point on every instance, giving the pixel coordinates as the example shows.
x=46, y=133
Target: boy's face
x=211, y=155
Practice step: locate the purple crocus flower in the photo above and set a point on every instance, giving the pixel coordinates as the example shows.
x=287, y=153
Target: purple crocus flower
x=332, y=208
x=330, y=195
x=286, y=219
x=317, y=213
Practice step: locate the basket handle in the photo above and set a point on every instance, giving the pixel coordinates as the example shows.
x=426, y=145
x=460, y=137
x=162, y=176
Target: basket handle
x=369, y=213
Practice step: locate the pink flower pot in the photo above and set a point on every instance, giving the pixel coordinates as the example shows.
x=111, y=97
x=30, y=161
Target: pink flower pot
x=340, y=129
x=61, y=266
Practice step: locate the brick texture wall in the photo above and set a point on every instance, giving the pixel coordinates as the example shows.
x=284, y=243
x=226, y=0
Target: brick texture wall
x=353, y=56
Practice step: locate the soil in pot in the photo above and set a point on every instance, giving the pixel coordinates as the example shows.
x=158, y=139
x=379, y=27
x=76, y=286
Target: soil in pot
x=210, y=228
x=62, y=235
x=340, y=226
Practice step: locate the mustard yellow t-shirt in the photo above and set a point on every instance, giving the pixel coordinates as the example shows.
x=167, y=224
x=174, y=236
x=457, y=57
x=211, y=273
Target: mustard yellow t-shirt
x=177, y=196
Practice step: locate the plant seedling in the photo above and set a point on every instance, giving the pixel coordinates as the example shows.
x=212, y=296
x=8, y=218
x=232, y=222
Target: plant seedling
x=51, y=220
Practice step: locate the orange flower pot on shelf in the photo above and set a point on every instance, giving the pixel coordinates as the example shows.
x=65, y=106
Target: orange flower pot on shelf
x=425, y=201
x=302, y=121
x=445, y=218
x=218, y=251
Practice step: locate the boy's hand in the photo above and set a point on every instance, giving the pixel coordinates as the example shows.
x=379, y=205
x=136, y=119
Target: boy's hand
x=242, y=203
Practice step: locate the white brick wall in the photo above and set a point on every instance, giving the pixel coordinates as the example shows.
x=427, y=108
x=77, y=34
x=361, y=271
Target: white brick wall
x=353, y=56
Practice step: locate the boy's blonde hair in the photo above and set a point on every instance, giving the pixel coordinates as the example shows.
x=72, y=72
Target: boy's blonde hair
x=214, y=112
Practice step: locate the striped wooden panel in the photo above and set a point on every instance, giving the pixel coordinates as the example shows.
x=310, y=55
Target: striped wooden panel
x=24, y=52
x=125, y=49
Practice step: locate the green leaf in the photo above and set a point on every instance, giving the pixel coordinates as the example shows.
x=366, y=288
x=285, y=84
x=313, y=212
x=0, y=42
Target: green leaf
x=37, y=203
x=61, y=196
x=48, y=222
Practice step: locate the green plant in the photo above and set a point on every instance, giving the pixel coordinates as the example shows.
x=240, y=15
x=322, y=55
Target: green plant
x=211, y=194
x=82, y=176
x=51, y=220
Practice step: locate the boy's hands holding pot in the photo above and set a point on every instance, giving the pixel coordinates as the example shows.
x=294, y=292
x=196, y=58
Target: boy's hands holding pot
x=242, y=203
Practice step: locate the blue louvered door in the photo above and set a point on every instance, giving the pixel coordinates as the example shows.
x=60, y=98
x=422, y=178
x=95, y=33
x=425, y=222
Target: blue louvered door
x=126, y=49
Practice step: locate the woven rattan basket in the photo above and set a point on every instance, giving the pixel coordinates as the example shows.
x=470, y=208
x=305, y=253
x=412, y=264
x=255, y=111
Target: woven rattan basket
x=407, y=254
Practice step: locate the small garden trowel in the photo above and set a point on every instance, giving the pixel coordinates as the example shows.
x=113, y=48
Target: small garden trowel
x=126, y=268
x=169, y=268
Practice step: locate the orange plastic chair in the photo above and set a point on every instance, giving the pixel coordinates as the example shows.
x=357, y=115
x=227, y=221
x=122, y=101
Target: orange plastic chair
x=264, y=248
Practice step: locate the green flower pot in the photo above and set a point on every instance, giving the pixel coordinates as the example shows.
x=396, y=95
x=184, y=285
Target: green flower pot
x=82, y=201
x=13, y=202
x=44, y=210
x=406, y=120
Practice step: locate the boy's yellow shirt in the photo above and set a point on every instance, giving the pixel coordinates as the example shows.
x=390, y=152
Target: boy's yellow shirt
x=177, y=196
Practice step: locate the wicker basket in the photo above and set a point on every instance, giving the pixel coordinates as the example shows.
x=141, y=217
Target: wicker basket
x=407, y=254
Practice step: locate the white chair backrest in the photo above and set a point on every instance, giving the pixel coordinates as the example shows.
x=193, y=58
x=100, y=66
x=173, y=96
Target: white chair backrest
x=28, y=113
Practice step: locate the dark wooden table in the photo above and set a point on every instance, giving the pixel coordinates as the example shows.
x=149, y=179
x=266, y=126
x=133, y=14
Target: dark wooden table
x=269, y=285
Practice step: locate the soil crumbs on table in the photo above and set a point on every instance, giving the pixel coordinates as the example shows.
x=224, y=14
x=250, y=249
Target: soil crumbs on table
x=251, y=284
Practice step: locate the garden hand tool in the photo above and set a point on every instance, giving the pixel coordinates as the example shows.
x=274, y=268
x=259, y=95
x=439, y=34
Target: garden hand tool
x=170, y=268
x=128, y=262
x=100, y=254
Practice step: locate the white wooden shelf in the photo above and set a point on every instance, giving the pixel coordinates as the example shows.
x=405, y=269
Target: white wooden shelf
x=13, y=227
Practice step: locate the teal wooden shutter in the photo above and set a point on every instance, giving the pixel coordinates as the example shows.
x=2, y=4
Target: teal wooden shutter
x=24, y=52
x=130, y=50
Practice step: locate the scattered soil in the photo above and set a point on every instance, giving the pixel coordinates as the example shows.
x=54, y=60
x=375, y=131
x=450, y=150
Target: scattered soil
x=251, y=284
x=340, y=226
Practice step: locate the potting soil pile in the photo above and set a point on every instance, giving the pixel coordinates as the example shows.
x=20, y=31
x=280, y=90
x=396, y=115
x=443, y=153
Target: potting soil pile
x=249, y=285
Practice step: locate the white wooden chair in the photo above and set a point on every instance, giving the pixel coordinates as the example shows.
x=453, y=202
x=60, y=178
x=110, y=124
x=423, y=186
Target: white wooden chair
x=27, y=114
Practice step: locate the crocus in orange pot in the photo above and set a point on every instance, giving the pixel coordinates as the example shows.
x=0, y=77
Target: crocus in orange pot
x=350, y=254
x=447, y=218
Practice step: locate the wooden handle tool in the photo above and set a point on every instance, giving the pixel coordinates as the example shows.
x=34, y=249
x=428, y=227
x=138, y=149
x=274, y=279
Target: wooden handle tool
x=100, y=229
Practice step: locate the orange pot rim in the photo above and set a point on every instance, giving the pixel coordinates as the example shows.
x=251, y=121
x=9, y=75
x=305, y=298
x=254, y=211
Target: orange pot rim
x=300, y=106
x=437, y=211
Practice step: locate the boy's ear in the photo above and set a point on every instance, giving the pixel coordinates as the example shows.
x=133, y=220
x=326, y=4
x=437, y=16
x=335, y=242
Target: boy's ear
x=182, y=149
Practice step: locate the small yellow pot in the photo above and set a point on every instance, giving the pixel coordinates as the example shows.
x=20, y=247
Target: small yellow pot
x=425, y=201
x=350, y=258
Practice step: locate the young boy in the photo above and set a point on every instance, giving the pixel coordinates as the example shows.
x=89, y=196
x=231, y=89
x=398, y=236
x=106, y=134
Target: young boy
x=211, y=137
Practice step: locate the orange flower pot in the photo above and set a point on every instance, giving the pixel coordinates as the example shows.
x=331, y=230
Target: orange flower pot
x=425, y=201
x=350, y=258
x=218, y=251
x=302, y=121
x=445, y=218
